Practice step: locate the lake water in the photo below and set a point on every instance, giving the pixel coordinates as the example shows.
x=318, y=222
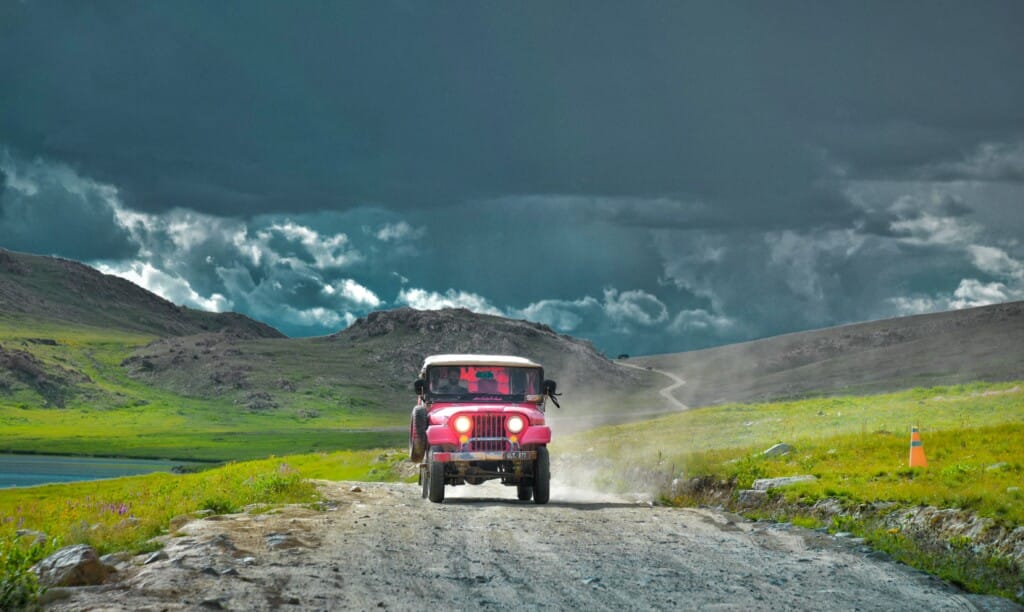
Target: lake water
x=28, y=470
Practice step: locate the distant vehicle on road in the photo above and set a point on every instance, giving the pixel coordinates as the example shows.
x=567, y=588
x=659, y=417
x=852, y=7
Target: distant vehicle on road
x=479, y=418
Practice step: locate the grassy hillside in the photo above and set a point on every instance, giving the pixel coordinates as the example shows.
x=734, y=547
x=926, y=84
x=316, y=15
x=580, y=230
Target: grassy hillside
x=91, y=364
x=55, y=289
x=123, y=514
x=857, y=449
x=64, y=390
x=946, y=348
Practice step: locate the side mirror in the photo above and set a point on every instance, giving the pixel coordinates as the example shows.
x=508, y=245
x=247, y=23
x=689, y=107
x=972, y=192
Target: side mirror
x=417, y=386
x=549, y=387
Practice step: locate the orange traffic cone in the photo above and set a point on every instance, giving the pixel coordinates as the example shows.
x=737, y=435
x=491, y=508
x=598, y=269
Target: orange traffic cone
x=917, y=458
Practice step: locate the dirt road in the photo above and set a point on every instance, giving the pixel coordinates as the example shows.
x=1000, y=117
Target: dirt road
x=667, y=391
x=384, y=547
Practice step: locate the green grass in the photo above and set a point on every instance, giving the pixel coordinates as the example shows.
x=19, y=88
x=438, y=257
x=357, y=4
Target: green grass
x=112, y=414
x=126, y=513
x=122, y=513
x=858, y=448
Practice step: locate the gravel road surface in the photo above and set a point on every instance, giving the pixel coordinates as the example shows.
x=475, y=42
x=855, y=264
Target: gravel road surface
x=377, y=545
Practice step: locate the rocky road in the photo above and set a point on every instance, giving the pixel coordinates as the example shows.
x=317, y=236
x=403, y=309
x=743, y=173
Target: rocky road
x=376, y=545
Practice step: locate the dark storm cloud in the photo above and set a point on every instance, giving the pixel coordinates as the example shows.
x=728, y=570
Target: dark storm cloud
x=53, y=211
x=313, y=106
x=652, y=176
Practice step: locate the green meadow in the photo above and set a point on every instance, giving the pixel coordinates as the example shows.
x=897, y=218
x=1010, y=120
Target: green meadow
x=124, y=514
x=103, y=411
x=858, y=446
x=858, y=449
x=329, y=426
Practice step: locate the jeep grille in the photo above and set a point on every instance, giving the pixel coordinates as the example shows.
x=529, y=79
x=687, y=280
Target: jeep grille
x=488, y=433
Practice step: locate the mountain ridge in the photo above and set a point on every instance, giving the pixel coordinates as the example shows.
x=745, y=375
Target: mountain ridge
x=44, y=287
x=984, y=343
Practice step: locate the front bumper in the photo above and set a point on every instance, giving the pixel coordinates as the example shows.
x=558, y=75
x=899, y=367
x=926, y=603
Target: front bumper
x=467, y=456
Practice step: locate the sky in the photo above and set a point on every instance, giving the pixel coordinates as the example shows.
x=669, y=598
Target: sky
x=652, y=176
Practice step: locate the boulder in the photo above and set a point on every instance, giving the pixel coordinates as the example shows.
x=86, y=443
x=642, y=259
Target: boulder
x=779, y=449
x=77, y=565
x=750, y=497
x=764, y=484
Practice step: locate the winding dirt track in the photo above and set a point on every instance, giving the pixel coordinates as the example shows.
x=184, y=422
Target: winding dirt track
x=385, y=547
x=667, y=391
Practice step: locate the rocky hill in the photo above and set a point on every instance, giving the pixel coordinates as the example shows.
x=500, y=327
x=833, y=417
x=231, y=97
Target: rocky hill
x=985, y=343
x=400, y=339
x=51, y=288
x=374, y=360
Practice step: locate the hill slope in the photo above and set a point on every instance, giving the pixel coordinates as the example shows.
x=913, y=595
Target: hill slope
x=375, y=360
x=985, y=343
x=51, y=288
x=93, y=364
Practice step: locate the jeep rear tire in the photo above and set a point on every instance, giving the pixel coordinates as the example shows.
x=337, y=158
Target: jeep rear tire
x=542, y=476
x=435, y=480
x=418, y=434
x=524, y=492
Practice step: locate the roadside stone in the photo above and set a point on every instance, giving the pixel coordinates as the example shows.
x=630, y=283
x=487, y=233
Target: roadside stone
x=116, y=558
x=179, y=521
x=53, y=594
x=750, y=497
x=216, y=603
x=995, y=467
x=77, y=565
x=355, y=489
x=276, y=541
x=764, y=484
x=38, y=537
x=779, y=449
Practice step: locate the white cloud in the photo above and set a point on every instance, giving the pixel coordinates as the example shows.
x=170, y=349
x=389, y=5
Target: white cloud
x=313, y=317
x=422, y=299
x=618, y=310
x=929, y=229
x=701, y=320
x=991, y=161
x=973, y=293
x=563, y=315
x=914, y=305
x=399, y=231
x=172, y=288
x=352, y=291
x=326, y=251
x=995, y=261
x=634, y=306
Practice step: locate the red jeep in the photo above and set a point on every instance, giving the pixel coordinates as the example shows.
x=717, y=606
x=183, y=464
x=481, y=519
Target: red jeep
x=481, y=417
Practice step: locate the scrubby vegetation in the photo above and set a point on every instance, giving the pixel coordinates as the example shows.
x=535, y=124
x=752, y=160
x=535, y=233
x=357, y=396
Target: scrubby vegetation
x=126, y=513
x=70, y=394
x=857, y=448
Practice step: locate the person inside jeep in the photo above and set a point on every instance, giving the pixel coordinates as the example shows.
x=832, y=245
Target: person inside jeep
x=452, y=385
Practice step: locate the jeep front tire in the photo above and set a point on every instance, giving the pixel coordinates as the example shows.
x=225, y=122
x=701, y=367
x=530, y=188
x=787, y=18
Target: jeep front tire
x=435, y=480
x=542, y=476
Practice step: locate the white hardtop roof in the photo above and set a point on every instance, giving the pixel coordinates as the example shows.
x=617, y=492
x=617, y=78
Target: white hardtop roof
x=494, y=360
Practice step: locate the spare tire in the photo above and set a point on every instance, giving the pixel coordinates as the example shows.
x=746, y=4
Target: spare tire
x=418, y=434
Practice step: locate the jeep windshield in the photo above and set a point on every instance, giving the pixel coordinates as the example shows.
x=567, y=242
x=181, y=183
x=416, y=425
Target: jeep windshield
x=483, y=382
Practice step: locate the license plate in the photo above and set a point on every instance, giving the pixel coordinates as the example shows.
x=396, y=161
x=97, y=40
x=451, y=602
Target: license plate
x=517, y=455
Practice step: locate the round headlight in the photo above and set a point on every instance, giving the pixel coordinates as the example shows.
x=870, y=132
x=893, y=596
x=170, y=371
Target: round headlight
x=463, y=423
x=515, y=424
